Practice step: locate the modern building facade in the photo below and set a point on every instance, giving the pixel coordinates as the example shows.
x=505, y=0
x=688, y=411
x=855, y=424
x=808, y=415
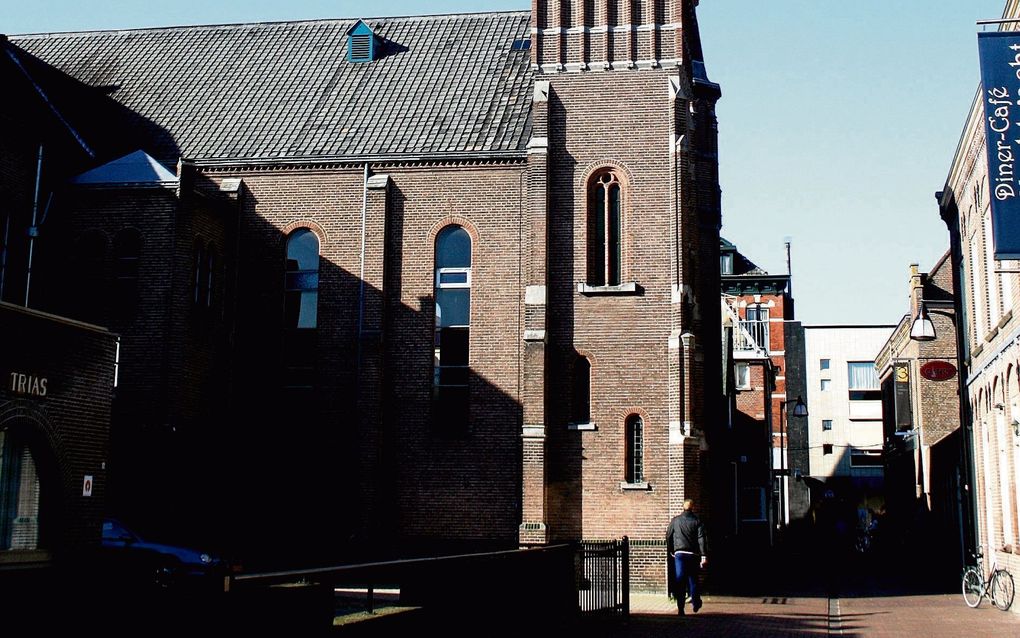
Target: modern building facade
x=409, y=284
x=989, y=342
x=845, y=436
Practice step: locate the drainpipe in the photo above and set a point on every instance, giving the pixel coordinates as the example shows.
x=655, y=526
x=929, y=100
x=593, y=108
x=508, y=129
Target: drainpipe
x=33, y=230
x=3, y=252
x=361, y=279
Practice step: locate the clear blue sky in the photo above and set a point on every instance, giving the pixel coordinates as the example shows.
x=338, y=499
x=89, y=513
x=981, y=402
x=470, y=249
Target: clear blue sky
x=837, y=124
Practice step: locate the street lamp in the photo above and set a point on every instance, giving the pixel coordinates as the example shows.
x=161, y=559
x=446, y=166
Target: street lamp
x=922, y=329
x=799, y=409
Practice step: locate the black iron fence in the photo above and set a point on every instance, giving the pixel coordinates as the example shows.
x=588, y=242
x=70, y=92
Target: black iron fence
x=604, y=583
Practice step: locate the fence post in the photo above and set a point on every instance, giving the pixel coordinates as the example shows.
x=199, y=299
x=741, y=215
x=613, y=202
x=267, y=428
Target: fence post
x=625, y=558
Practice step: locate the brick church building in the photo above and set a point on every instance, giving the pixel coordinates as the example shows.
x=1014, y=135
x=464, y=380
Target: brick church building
x=395, y=285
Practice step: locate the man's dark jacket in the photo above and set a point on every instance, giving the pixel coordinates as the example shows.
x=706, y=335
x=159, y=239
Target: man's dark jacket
x=686, y=533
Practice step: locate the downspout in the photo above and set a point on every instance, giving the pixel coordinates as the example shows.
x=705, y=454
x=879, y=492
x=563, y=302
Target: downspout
x=3, y=252
x=33, y=230
x=361, y=278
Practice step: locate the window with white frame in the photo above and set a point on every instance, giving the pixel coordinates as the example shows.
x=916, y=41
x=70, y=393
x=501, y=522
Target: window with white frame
x=451, y=347
x=994, y=299
x=977, y=289
x=743, y=376
x=862, y=380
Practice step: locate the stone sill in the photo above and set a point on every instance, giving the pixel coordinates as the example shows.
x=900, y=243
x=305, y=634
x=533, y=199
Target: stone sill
x=583, y=427
x=629, y=288
x=643, y=486
x=1005, y=318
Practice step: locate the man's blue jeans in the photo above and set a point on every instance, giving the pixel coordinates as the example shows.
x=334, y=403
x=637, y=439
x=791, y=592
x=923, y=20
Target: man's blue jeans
x=687, y=568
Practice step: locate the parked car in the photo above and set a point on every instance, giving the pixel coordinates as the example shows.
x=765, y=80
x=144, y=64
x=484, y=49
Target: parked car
x=135, y=560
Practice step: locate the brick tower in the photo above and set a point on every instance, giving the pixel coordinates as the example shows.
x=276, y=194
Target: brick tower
x=621, y=305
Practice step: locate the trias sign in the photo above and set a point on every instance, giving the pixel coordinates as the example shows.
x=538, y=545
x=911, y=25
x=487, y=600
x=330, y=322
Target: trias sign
x=21, y=383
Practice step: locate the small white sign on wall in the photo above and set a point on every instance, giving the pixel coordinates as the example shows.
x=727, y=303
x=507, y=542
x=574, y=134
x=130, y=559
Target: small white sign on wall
x=86, y=487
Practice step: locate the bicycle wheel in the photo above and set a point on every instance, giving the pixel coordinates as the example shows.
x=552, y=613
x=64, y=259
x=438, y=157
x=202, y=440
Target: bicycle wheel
x=973, y=587
x=1002, y=589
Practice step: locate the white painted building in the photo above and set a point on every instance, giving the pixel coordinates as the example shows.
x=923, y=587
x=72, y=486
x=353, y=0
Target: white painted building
x=844, y=400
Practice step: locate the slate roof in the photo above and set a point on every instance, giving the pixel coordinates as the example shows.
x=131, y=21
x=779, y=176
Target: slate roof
x=445, y=85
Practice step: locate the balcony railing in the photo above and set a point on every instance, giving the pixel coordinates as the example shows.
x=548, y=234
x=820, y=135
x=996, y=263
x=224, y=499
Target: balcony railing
x=750, y=337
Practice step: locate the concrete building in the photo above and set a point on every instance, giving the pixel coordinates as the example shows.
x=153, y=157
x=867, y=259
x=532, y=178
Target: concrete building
x=844, y=400
x=401, y=285
x=989, y=343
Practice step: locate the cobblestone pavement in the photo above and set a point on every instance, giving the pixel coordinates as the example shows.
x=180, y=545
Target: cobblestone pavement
x=929, y=615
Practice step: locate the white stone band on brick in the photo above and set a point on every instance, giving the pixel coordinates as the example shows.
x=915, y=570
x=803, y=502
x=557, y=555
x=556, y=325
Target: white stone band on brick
x=533, y=432
x=534, y=295
x=534, y=335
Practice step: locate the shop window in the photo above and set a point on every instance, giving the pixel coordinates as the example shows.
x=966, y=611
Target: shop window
x=452, y=333
x=605, y=230
x=19, y=495
x=635, y=431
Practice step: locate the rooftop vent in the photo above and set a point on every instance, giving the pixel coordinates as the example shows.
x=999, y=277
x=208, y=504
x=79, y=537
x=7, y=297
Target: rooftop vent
x=362, y=44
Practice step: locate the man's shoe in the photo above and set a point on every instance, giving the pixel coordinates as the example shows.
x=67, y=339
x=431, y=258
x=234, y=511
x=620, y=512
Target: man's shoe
x=680, y=612
x=696, y=605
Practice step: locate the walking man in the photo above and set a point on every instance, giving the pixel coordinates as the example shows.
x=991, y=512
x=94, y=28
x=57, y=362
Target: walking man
x=685, y=542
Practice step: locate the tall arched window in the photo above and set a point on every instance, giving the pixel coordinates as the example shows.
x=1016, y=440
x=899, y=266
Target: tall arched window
x=605, y=230
x=452, y=330
x=19, y=495
x=581, y=403
x=89, y=288
x=205, y=274
x=302, y=279
x=635, y=449
x=127, y=250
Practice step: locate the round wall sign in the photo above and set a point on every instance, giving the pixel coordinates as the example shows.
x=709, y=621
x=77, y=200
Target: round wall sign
x=938, y=370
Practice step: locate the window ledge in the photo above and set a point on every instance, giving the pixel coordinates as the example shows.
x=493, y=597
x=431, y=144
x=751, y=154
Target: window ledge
x=643, y=486
x=1005, y=318
x=586, y=427
x=991, y=334
x=629, y=288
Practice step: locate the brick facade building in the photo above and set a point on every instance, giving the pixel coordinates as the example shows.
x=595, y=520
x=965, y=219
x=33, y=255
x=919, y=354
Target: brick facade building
x=407, y=284
x=988, y=344
x=923, y=457
x=756, y=310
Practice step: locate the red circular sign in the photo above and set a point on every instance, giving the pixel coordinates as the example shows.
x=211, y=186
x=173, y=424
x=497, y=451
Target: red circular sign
x=938, y=370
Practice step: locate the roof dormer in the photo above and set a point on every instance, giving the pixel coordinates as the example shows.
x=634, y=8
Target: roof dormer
x=362, y=43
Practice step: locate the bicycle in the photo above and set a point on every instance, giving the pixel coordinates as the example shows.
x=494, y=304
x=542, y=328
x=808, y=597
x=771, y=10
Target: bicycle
x=998, y=587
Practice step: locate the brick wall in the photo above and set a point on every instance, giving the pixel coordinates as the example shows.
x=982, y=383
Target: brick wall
x=67, y=428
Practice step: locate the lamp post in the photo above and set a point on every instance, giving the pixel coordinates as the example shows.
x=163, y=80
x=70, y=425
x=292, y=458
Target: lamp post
x=799, y=409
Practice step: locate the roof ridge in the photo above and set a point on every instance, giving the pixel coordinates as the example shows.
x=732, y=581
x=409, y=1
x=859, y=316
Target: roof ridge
x=266, y=23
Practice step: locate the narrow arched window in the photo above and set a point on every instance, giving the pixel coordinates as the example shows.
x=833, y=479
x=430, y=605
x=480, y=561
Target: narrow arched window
x=127, y=249
x=210, y=273
x=635, y=449
x=200, y=279
x=88, y=294
x=581, y=403
x=19, y=495
x=302, y=279
x=452, y=330
x=605, y=230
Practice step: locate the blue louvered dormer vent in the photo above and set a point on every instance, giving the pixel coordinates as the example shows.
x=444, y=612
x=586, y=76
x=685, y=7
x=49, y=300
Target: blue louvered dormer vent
x=361, y=43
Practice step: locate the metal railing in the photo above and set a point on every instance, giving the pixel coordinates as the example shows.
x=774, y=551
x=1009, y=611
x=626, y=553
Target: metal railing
x=604, y=587
x=749, y=335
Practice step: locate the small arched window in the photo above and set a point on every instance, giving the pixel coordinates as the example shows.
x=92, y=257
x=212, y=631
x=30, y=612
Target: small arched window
x=605, y=230
x=127, y=250
x=452, y=330
x=635, y=449
x=19, y=495
x=302, y=279
x=581, y=404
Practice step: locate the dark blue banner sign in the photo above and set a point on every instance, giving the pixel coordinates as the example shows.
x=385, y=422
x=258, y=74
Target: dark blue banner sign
x=1000, y=78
